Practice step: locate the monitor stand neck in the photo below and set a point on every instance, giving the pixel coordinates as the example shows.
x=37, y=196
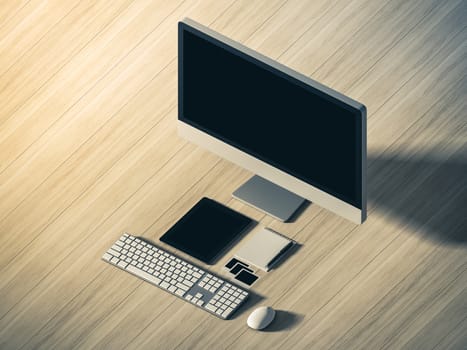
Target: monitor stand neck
x=269, y=198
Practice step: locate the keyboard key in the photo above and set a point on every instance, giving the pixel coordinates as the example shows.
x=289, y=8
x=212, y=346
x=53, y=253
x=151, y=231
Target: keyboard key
x=144, y=275
x=182, y=286
x=107, y=257
x=227, y=312
x=114, y=253
x=122, y=264
x=211, y=307
x=188, y=283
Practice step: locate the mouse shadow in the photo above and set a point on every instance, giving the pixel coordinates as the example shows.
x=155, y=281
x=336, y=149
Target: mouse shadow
x=424, y=190
x=284, y=320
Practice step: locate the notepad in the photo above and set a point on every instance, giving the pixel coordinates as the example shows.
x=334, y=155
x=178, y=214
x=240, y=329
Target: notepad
x=264, y=249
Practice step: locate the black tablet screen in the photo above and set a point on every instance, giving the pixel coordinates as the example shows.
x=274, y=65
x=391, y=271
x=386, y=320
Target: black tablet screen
x=206, y=229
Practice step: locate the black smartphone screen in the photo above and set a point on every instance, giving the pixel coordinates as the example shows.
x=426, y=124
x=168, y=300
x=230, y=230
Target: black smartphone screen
x=239, y=267
x=246, y=277
x=232, y=262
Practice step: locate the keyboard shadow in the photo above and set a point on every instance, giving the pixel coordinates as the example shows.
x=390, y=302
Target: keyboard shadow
x=250, y=304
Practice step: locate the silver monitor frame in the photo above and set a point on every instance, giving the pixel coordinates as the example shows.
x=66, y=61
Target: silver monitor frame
x=266, y=170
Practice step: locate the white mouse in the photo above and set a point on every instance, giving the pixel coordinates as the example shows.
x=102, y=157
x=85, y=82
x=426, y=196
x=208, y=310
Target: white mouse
x=261, y=317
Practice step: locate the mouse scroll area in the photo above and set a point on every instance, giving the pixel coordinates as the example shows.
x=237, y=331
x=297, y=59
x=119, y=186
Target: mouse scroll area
x=261, y=317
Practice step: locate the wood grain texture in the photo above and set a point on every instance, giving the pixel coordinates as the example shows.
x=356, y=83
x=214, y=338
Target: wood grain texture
x=88, y=149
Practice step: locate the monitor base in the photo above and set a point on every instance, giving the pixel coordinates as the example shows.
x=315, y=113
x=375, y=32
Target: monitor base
x=269, y=198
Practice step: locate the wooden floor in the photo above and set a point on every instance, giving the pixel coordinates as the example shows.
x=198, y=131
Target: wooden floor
x=88, y=150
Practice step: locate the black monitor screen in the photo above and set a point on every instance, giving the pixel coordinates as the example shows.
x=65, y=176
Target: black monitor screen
x=270, y=115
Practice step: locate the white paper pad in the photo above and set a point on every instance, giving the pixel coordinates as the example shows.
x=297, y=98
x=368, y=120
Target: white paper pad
x=263, y=249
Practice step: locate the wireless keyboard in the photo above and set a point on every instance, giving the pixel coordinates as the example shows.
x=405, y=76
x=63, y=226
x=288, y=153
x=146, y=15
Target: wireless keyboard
x=175, y=275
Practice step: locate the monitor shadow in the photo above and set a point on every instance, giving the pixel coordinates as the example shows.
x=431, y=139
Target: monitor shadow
x=425, y=190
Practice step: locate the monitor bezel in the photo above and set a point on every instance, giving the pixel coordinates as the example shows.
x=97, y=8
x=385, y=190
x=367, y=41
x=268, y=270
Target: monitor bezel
x=257, y=166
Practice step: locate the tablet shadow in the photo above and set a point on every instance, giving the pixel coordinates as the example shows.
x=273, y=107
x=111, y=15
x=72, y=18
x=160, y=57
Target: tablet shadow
x=423, y=191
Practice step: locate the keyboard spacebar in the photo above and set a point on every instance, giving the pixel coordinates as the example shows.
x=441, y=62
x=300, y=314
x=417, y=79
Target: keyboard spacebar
x=144, y=275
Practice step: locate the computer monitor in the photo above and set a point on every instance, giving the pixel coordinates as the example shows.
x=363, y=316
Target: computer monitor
x=303, y=140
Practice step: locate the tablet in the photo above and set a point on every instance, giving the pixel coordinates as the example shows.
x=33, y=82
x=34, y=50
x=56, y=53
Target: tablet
x=206, y=230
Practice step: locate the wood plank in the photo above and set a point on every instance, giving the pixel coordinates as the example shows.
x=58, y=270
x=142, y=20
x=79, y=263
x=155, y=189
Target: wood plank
x=162, y=152
x=427, y=278
x=88, y=149
x=85, y=118
x=21, y=81
x=12, y=13
x=43, y=114
x=36, y=20
x=433, y=322
x=456, y=339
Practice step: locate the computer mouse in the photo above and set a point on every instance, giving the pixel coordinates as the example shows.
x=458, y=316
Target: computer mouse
x=261, y=317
